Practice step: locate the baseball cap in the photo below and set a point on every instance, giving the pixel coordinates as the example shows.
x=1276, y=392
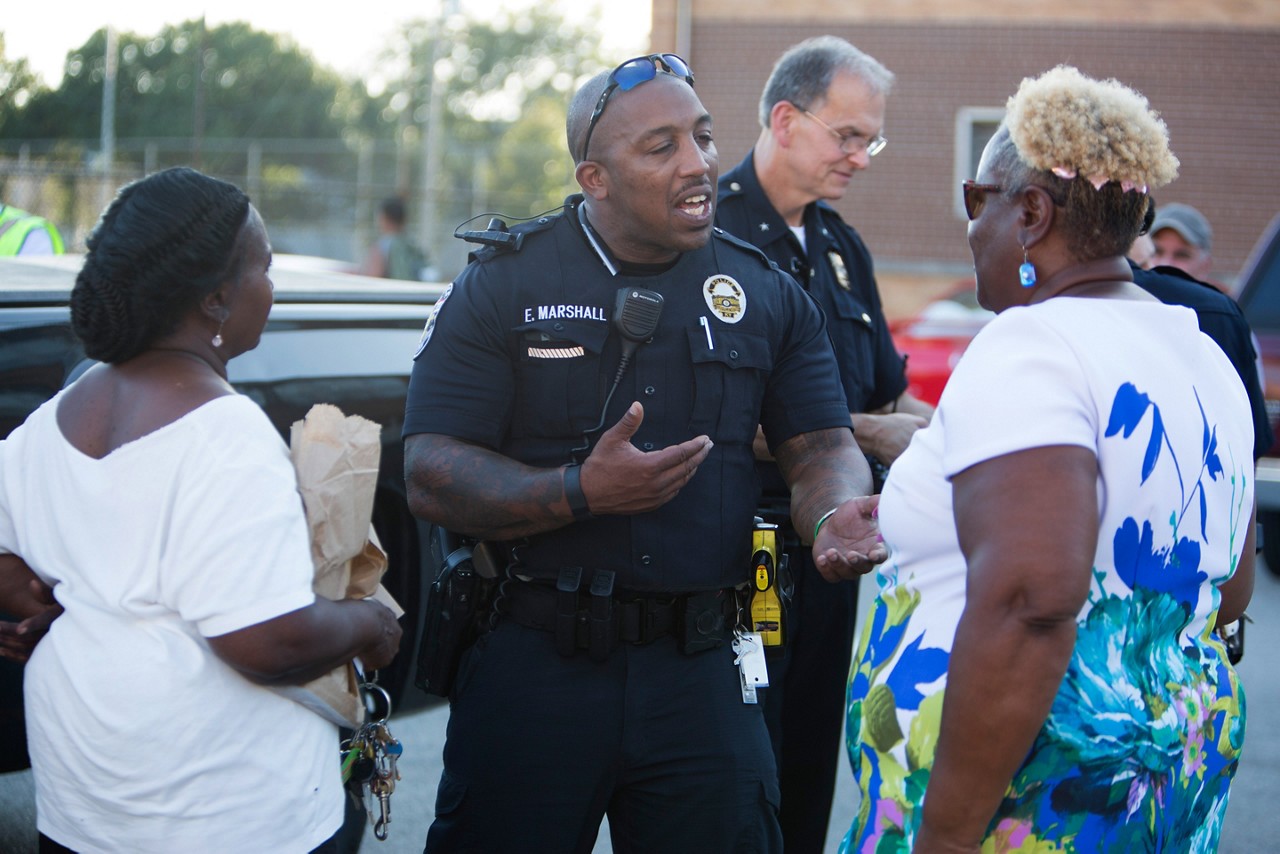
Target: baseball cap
x=1188, y=222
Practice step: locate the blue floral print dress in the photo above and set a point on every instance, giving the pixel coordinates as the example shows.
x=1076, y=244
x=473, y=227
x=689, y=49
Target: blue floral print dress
x=1145, y=733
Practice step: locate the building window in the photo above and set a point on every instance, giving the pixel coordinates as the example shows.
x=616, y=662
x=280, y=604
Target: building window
x=974, y=128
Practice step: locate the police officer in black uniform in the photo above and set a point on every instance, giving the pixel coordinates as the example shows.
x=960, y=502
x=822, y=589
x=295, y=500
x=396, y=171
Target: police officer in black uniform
x=1222, y=320
x=821, y=114
x=610, y=465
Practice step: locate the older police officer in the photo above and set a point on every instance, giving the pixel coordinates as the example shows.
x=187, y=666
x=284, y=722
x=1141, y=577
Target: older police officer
x=607, y=683
x=821, y=118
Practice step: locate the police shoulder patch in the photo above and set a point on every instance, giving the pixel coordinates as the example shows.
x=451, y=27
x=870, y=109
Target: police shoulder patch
x=431, y=321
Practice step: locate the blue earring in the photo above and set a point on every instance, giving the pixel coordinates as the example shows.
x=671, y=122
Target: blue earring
x=1027, y=272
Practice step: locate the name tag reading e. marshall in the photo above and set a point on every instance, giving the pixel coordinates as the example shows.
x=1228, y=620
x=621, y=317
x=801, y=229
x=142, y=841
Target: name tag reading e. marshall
x=545, y=347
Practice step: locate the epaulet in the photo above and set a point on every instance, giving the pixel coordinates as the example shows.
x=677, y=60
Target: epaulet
x=500, y=240
x=727, y=188
x=742, y=244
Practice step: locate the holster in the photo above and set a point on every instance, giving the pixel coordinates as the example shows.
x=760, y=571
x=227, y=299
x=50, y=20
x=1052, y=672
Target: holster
x=456, y=603
x=706, y=624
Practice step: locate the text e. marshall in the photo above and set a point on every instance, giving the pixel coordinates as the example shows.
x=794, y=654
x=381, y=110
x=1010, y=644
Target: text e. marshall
x=564, y=312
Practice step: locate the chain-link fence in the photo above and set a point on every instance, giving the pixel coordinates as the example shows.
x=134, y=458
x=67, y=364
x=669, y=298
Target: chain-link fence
x=317, y=197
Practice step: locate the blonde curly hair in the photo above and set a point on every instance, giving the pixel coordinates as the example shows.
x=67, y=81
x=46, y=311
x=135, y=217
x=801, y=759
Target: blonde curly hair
x=1097, y=128
x=1095, y=146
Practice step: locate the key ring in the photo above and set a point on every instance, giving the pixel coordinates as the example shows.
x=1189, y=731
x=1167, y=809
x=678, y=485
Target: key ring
x=370, y=700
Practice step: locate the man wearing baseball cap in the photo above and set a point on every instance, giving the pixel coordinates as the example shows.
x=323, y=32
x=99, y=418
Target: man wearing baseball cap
x=1183, y=238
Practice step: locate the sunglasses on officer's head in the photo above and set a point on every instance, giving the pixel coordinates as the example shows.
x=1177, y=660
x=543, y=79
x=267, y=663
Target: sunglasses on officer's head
x=631, y=74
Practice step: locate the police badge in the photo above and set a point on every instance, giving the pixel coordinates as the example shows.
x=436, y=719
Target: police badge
x=838, y=267
x=724, y=296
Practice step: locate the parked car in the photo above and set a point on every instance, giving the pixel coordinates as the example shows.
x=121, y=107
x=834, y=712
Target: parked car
x=331, y=338
x=933, y=340
x=1259, y=298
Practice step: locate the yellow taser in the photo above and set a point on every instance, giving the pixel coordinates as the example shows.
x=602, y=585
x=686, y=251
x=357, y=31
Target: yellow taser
x=766, y=607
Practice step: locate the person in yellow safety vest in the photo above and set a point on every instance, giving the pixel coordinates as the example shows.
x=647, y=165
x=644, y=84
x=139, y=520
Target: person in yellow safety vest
x=22, y=233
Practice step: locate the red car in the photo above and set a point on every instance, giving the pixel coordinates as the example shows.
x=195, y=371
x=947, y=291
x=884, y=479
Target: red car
x=934, y=339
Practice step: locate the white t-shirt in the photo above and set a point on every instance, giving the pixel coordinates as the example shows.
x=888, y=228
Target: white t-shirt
x=142, y=739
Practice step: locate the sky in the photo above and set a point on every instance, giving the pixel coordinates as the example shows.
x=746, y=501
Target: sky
x=348, y=43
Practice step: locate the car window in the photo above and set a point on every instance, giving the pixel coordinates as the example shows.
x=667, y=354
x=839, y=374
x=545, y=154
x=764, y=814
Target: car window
x=1260, y=284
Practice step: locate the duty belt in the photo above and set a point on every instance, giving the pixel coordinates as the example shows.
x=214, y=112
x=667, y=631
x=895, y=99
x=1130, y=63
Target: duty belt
x=598, y=617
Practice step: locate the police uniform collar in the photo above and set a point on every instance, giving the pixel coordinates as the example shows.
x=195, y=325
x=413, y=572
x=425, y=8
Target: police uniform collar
x=765, y=224
x=817, y=231
x=615, y=265
x=596, y=241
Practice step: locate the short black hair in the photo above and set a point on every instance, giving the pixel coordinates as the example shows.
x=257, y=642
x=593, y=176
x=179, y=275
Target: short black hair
x=393, y=209
x=164, y=243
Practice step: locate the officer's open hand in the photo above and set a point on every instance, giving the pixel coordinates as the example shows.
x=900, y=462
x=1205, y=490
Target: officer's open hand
x=619, y=478
x=849, y=543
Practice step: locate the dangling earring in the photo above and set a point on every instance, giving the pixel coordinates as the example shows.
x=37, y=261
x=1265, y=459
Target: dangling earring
x=1027, y=272
x=217, y=336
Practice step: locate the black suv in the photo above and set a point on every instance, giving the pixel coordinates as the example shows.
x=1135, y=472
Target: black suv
x=331, y=338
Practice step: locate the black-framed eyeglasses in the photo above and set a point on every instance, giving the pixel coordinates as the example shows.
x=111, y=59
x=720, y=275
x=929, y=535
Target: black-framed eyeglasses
x=631, y=74
x=850, y=143
x=975, y=196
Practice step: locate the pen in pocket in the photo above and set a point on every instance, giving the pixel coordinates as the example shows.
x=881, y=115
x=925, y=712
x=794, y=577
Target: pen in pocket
x=711, y=345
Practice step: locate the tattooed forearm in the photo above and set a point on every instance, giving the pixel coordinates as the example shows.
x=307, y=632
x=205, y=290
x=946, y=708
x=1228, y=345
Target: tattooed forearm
x=478, y=492
x=824, y=469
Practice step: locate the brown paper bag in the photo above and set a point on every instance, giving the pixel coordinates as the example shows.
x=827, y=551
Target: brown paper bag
x=336, y=458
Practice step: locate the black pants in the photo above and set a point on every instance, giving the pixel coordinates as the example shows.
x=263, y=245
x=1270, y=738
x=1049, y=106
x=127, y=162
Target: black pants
x=540, y=747
x=805, y=700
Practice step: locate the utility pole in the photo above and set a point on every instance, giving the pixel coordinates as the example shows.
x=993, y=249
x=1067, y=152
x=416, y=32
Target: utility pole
x=197, y=118
x=433, y=139
x=108, y=130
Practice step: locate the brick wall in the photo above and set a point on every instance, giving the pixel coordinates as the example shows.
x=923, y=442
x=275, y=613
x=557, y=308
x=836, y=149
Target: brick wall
x=1218, y=89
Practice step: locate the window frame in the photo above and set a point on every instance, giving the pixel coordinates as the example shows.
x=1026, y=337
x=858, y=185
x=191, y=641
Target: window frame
x=966, y=157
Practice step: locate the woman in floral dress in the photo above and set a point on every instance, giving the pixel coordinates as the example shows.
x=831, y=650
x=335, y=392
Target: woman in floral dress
x=1039, y=671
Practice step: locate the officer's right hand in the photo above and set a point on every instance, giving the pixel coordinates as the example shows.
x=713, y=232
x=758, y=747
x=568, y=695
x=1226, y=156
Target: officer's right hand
x=619, y=478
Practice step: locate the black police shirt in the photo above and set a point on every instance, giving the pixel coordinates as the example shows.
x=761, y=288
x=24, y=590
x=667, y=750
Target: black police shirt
x=1222, y=320
x=520, y=355
x=835, y=268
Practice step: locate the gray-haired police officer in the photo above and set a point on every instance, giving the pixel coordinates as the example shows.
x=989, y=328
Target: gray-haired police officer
x=821, y=116
x=607, y=683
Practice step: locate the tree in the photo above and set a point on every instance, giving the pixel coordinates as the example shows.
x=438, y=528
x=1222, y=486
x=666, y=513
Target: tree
x=506, y=83
x=231, y=81
x=18, y=84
